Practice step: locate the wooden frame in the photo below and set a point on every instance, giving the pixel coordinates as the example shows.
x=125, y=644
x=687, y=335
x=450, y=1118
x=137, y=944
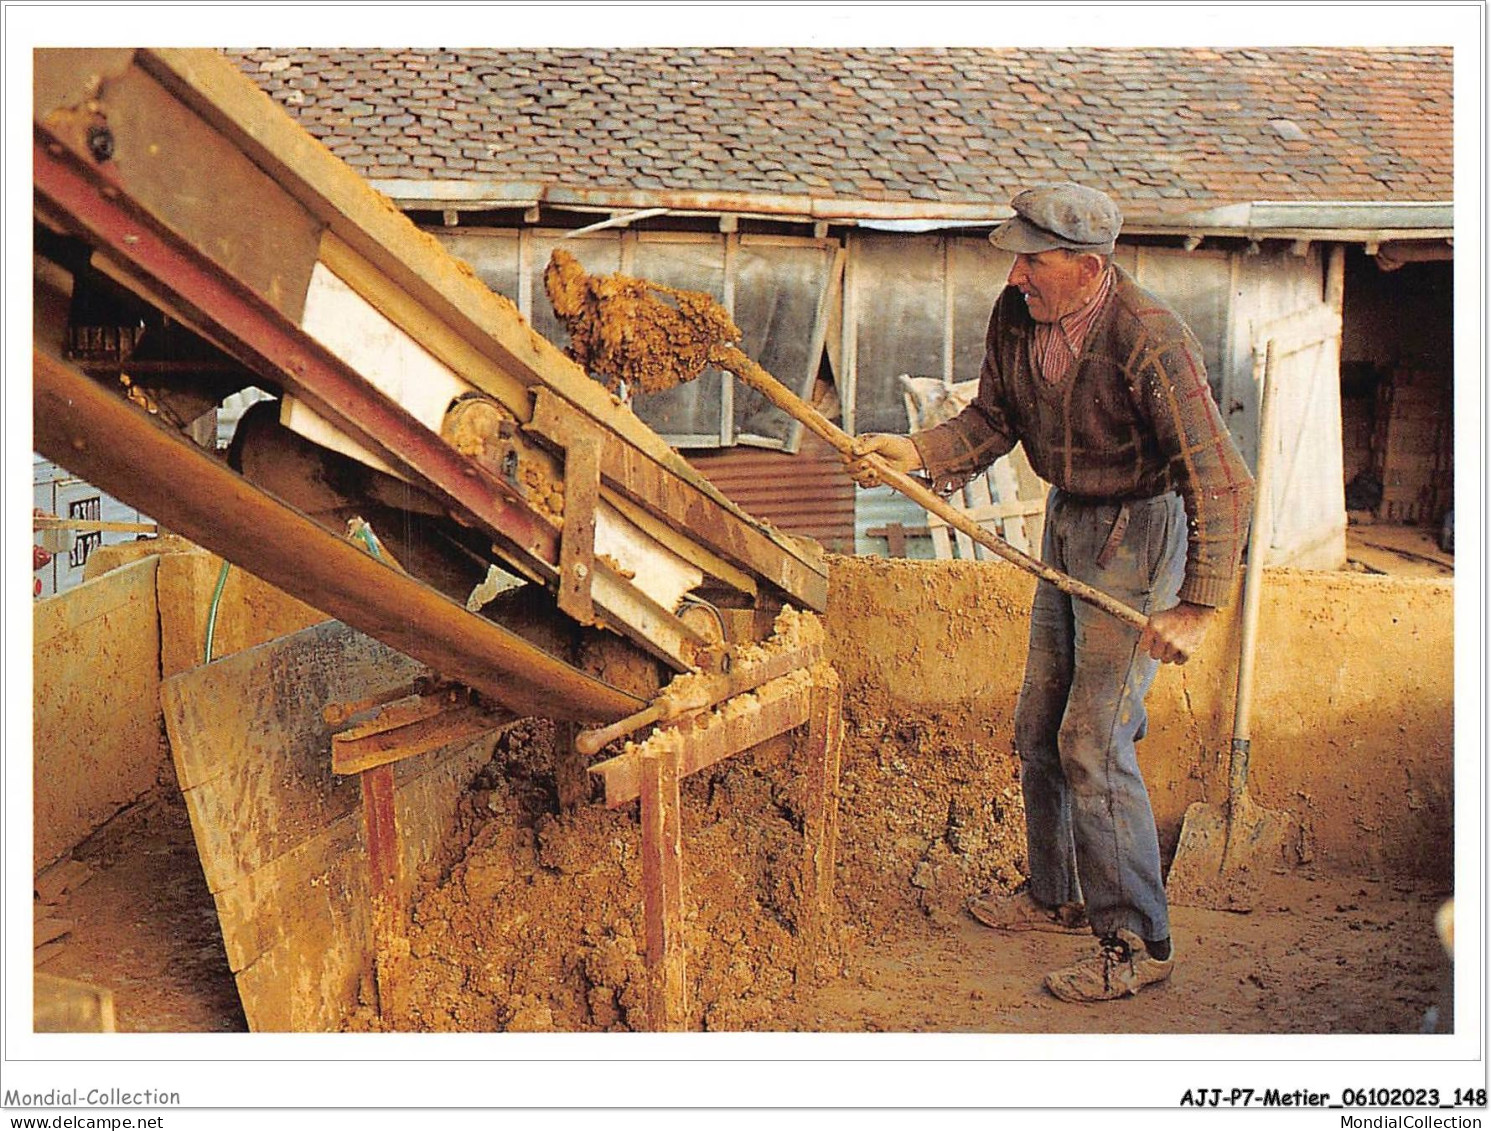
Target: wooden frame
x=651, y=772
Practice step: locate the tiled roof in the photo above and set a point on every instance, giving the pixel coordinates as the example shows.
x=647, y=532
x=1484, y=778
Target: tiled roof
x=1161, y=129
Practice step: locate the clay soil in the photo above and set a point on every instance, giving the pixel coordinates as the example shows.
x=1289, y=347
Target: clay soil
x=537, y=926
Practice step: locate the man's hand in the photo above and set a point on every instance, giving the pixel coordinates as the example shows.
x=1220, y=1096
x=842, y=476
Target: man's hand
x=896, y=451
x=1173, y=636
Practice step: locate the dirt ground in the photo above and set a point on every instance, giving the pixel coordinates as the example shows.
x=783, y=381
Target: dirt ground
x=538, y=926
x=1403, y=551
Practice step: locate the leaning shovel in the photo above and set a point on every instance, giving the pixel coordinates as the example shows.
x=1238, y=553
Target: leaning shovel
x=1225, y=850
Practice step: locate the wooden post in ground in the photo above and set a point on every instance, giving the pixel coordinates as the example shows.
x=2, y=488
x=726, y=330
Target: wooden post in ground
x=571, y=776
x=821, y=819
x=390, y=941
x=662, y=887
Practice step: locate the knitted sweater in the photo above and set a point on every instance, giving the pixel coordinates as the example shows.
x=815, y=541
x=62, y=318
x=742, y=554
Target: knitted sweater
x=1133, y=418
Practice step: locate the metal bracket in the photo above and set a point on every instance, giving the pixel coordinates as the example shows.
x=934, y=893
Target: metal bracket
x=580, y=439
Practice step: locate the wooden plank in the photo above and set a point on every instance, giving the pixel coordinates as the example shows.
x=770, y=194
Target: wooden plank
x=662, y=887
x=1007, y=490
x=942, y=545
x=975, y=495
x=580, y=440
x=355, y=752
x=95, y=708
x=380, y=828
x=1030, y=487
x=742, y=722
x=61, y=1005
x=282, y=839
x=821, y=754
x=164, y=153
x=895, y=535
x=249, y=611
x=689, y=549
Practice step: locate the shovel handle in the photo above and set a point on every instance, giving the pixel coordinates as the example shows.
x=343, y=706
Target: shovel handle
x=1259, y=533
x=789, y=402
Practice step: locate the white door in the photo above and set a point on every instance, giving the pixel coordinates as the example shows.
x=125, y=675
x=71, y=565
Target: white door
x=1307, y=470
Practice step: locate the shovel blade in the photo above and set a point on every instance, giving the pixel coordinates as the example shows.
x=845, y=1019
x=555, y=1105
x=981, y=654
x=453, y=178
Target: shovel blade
x=1223, y=856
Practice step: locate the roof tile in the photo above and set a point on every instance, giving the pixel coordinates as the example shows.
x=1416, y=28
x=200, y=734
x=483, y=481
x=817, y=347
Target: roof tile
x=1190, y=126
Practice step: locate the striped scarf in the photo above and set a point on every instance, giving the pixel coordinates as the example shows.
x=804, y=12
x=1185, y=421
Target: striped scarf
x=1058, y=344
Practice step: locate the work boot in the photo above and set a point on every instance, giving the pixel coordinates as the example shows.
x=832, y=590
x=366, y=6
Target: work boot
x=1122, y=967
x=1018, y=911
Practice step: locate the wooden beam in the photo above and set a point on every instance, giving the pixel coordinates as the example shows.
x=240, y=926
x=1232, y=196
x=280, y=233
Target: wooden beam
x=662, y=886
x=390, y=936
x=417, y=729
x=690, y=504
x=282, y=839
x=744, y=722
x=821, y=817
x=92, y=525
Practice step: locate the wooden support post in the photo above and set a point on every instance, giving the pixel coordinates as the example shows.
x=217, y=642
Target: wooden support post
x=662, y=888
x=821, y=820
x=390, y=940
x=571, y=776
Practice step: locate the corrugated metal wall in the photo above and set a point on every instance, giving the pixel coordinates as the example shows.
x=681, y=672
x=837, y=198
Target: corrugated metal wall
x=807, y=494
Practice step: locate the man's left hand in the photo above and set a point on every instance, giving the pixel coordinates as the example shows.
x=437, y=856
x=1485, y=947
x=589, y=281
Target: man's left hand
x=1173, y=636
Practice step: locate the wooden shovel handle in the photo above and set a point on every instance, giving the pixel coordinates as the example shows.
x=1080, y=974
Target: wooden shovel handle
x=789, y=402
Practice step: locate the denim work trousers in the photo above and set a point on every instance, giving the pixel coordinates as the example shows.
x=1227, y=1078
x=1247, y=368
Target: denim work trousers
x=1090, y=832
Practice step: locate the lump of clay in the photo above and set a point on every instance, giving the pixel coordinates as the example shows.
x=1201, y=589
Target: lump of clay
x=624, y=330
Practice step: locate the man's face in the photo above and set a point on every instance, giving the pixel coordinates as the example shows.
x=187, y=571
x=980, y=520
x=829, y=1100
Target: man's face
x=1054, y=283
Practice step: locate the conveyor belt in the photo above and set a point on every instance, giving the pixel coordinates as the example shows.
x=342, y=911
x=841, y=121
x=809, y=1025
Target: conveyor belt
x=117, y=446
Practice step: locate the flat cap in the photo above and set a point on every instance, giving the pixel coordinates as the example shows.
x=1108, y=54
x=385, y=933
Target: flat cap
x=1060, y=215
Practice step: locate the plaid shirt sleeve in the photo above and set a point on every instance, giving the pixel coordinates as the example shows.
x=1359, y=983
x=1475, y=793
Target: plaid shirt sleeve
x=1169, y=379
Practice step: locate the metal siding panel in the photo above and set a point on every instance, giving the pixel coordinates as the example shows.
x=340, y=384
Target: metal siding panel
x=807, y=494
x=882, y=506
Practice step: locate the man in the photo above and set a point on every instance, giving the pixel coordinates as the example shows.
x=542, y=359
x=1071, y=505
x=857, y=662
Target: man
x=1107, y=389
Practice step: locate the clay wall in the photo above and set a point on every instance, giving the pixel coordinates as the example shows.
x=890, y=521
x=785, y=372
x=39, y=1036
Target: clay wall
x=1353, y=713
x=96, y=726
x=100, y=651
